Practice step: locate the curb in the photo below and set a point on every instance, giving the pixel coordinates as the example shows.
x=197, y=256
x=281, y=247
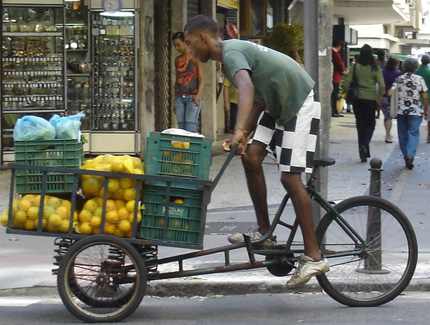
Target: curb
x=204, y=289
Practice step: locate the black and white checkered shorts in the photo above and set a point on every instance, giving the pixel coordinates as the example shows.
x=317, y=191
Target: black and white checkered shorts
x=293, y=144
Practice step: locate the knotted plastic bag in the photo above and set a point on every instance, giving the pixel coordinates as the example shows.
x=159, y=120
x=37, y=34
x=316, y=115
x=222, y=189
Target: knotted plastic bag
x=67, y=127
x=31, y=127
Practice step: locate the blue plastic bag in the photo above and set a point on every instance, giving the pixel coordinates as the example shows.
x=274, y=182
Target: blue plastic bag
x=32, y=127
x=67, y=127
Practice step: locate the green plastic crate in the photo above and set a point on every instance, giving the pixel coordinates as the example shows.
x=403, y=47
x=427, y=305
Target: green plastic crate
x=55, y=153
x=184, y=224
x=164, y=160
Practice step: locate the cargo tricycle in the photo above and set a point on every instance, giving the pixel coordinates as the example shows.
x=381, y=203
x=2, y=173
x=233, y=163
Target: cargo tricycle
x=369, y=242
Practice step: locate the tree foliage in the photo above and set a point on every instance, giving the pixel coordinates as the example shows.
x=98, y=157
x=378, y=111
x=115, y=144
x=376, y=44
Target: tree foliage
x=286, y=38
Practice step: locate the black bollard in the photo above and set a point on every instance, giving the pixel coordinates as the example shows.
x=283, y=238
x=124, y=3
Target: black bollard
x=373, y=263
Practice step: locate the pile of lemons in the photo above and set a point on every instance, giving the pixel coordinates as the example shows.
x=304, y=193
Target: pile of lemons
x=121, y=194
x=120, y=205
x=25, y=213
x=119, y=217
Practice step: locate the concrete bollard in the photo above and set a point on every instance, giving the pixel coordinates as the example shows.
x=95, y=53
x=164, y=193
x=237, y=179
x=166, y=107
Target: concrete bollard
x=375, y=177
x=373, y=262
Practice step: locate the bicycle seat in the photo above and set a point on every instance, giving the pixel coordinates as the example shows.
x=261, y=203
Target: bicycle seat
x=326, y=161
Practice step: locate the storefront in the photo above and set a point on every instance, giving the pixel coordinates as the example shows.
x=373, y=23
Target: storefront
x=64, y=57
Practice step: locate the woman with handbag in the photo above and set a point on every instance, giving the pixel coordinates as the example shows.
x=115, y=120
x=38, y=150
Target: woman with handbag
x=390, y=73
x=413, y=104
x=367, y=75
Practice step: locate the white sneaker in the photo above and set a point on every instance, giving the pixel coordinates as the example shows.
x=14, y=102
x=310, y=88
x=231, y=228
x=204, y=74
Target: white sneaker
x=254, y=235
x=306, y=269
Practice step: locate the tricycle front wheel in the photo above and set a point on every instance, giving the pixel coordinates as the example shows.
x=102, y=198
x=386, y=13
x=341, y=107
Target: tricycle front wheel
x=102, y=279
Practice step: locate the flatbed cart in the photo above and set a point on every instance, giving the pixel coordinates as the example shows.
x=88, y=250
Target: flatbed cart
x=370, y=244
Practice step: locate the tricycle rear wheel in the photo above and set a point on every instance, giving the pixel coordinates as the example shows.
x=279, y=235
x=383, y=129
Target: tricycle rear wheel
x=102, y=279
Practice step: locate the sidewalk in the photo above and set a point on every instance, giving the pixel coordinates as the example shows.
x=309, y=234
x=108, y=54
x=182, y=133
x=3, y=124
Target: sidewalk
x=26, y=261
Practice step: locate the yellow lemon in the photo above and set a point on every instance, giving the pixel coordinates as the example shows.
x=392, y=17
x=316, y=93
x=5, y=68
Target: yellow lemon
x=113, y=185
x=63, y=212
x=55, y=220
x=3, y=220
x=130, y=205
x=48, y=210
x=29, y=197
x=107, y=159
x=64, y=226
x=110, y=205
x=95, y=221
x=119, y=203
x=179, y=201
x=109, y=228
x=98, y=160
x=54, y=202
x=98, y=212
x=91, y=187
x=186, y=145
x=112, y=216
x=67, y=204
x=124, y=226
x=24, y=205
x=91, y=205
x=137, y=171
x=176, y=144
x=30, y=224
x=123, y=213
x=33, y=213
x=117, y=165
x=36, y=201
x=137, y=163
x=20, y=217
x=118, y=233
x=131, y=217
x=85, y=228
x=85, y=216
x=127, y=182
x=129, y=194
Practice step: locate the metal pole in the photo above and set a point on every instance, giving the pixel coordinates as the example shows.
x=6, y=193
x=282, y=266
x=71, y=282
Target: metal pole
x=310, y=13
x=310, y=27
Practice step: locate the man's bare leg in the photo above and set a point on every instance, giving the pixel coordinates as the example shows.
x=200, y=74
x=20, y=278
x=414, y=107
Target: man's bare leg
x=303, y=209
x=252, y=163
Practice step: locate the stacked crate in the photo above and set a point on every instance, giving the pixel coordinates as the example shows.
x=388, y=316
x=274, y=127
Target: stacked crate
x=54, y=153
x=176, y=213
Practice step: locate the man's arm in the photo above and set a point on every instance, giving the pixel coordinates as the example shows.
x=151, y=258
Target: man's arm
x=247, y=111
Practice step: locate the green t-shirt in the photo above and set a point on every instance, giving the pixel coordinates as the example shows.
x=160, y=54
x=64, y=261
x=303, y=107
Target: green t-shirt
x=280, y=83
x=424, y=72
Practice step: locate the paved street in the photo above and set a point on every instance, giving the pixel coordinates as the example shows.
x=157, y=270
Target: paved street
x=26, y=261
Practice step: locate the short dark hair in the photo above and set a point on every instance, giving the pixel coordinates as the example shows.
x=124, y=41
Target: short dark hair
x=202, y=23
x=178, y=35
x=336, y=43
x=425, y=59
x=381, y=54
x=392, y=64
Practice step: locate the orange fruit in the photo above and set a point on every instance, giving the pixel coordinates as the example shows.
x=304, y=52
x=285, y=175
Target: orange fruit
x=117, y=232
x=117, y=165
x=110, y=205
x=127, y=182
x=109, y=228
x=113, y=185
